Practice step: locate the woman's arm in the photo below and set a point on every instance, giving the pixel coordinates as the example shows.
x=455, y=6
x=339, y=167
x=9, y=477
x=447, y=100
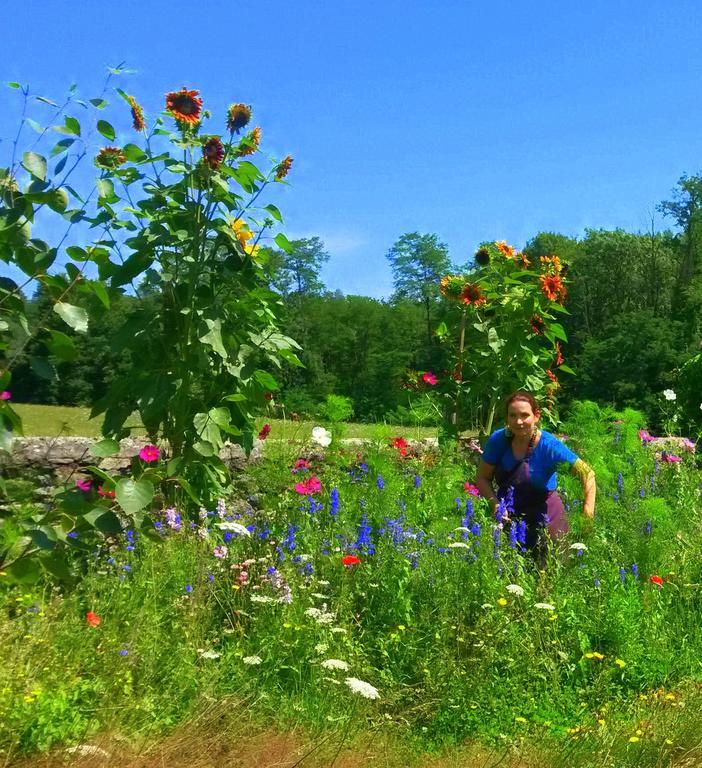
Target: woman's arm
x=587, y=478
x=483, y=481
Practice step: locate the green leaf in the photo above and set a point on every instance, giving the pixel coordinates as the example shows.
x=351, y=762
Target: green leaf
x=104, y=520
x=77, y=253
x=274, y=212
x=100, y=291
x=71, y=127
x=134, y=153
x=98, y=103
x=62, y=346
x=106, y=129
x=44, y=536
x=42, y=367
x=558, y=331
x=494, y=341
x=14, y=85
x=61, y=146
x=56, y=564
x=6, y=440
x=35, y=164
x=213, y=337
x=134, y=495
x=57, y=199
x=566, y=369
x=185, y=485
x=74, y=316
x=34, y=125
x=283, y=243
x=25, y=571
x=103, y=448
x=265, y=380
x=44, y=100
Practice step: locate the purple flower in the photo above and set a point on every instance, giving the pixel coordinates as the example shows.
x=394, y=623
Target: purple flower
x=334, y=502
x=124, y=652
x=220, y=552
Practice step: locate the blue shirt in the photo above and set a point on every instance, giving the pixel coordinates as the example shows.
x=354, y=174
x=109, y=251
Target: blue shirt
x=546, y=455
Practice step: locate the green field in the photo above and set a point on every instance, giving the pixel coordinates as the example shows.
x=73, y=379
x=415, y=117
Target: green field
x=54, y=420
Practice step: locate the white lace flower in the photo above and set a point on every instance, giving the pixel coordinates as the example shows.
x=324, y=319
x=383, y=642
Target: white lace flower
x=578, y=546
x=458, y=545
x=462, y=529
x=362, y=688
x=87, y=750
x=321, y=648
x=323, y=583
x=207, y=654
x=321, y=436
x=338, y=631
x=252, y=661
x=335, y=664
x=319, y=615
x=669, y=394
x=515, y=589
x=263, y=599
x=234, y=528
x=545, y=606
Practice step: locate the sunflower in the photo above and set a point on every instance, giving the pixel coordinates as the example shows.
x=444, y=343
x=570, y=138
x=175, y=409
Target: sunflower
x=506, y=250
x=473, y=294
x=559, y=354
x=250, y=143
x=137, y=114
x=482, y=257
x=537, y=325
x=213, y=153
x=522, y=260
x=110, y=158
x=238, y=116
x=283, y=169
x=185, y=106
x=241, y=231
x=552, y=288
x=450, y=287
x=551, y=265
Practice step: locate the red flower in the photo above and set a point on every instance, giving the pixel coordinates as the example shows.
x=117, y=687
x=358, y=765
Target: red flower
x=93, y=619
x=213, y=153
x=185, y=106
x=349, y=560
x=537, y=324
x=5, y=395
x=309, y=487
x=429, y=378
x=137, y=114
x=105, y=494
x=84, y=484
x=263, y=434
x=149, y=453
x=401, y=444
x=552, y=288
x=471, y=489
x=301, y=465
x=657, y=580
x=559, y=355
x=283, y=168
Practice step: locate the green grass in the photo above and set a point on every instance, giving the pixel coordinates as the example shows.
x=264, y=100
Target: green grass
x=53, y=420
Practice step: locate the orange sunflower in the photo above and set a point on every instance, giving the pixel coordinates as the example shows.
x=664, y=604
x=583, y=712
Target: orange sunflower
x=451, y=286
x=250, y=143
x=537, y=325
x=110, y=158
x=552, y=288
x=185, y=106
x=283, y=169
x=522, y=260
x=506, y=250
x=473, y=294
x=213, y=153
x=137, y=114
x=551, y=265
x=559, y=354
x=238, y=116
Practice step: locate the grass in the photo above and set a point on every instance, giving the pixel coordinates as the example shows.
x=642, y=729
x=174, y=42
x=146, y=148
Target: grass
x=54, y=420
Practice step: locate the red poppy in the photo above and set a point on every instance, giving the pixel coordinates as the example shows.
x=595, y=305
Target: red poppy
x=265, y=431
x=349, y=560
x=657, y=580
x=93, y=619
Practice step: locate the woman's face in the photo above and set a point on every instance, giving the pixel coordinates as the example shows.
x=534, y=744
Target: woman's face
x=521, y=419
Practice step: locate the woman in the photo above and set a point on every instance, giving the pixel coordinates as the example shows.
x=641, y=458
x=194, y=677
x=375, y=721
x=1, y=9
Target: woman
x=523, y=457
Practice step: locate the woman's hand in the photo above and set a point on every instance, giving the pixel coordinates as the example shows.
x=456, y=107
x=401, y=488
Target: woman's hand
x=587, y=478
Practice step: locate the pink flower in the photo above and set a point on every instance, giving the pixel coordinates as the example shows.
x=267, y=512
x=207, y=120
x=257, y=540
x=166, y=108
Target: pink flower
x=5, y=395
x=470, y=489
x=149, y=453
x=263, y=434
x=221, y=552
x=308, y=487
x=84, y=484
x=671, y=458
x=645, y=437
x=429, y=378
x=301, y=465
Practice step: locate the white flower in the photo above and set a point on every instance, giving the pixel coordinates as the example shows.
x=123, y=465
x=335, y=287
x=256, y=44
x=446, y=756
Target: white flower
x=332, y=680
x=545, y=606
x=361, y=687
x=669, y=394
x=208, y=654
x=515, y=589
x=234, y=527
x=458, y=545
x=485, y=606
x=335, y=664
x=87, y=750
x=321, y=436
x=462, y=529
x=252, y=661
x=263, y=599
x=321, y=648
x=323, y=583
x=579, y=546
x=319, y=615
x=320, y=596
x=338, y=631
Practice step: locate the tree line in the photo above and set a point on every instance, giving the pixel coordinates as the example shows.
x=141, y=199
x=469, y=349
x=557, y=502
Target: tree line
x=635, y=318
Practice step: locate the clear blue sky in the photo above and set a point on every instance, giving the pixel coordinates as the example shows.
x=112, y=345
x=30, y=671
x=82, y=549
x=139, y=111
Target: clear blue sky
x=472, y=120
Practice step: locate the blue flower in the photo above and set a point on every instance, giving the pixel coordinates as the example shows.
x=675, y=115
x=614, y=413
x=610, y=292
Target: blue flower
x=417, y=481
x=127, y=568
x=188, y=588
x=124, y=652
x=334, y=502
x=227, y=536
x=622, y=574
x=635, y=570
x=72, y=535
x=380, y=483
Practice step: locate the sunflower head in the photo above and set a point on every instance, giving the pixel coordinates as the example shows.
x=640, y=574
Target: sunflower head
x=551, y=265
x=241, y=231
x=185, y=106
x=472, y=294
x=522, y=260
x=137, y=114
x=552, y=288
x=238, y=116
x=482, y=257
x=250, y=143
x=213, y=153
x=506, y=250
x=537, y=325
x=283, y=168
x=450, y=287
x=110, y=158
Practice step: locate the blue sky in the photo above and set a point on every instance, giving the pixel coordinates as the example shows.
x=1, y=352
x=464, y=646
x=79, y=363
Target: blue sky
x=472, y=120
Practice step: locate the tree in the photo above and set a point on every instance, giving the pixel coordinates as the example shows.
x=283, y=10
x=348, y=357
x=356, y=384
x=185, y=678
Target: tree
x=418, y=263
x=296, y=274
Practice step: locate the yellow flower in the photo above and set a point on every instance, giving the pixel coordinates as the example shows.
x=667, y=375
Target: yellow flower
x=601, y=721
x=633, y=739
x=598, y=656
x=668, y=741
x=670, y=697
x=520, y=719
x=501, y=601
x=589, y=655
x=241, y=231
x=620, y=663
x=401, y=627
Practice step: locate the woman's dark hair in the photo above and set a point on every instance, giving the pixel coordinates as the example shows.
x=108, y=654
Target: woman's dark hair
x=520, y=394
